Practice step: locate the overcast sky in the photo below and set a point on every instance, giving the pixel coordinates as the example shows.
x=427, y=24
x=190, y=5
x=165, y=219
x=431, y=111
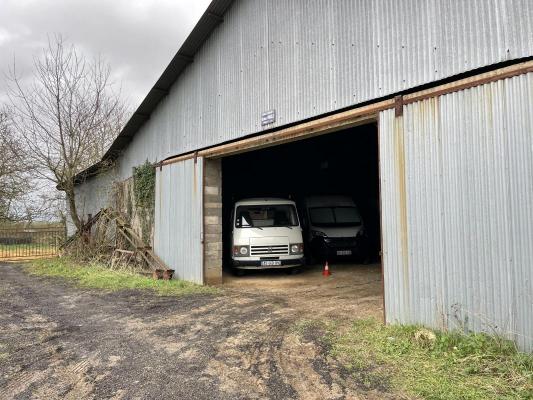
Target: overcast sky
x=137, y=37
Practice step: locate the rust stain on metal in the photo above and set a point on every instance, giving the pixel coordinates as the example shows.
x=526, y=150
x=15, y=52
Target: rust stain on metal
x=194, y=180
x=402, y=193
x=398, y=106
x=468, y=83
x=489, y=104
x=381, y=225
x=359, y=115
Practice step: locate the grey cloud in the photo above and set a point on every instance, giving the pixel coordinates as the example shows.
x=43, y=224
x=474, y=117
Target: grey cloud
x=137, y=37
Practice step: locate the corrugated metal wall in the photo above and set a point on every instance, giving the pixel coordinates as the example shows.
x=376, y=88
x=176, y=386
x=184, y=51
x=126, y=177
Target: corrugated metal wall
x=179, y=218
x=305, y=58
x=457, y=210
x=94, y=194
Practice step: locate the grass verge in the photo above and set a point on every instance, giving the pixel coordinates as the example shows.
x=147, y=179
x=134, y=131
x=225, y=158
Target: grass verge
x=99, y=277
x=429, y=364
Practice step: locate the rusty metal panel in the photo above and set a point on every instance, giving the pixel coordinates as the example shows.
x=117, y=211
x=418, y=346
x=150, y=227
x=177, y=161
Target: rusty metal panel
x=305, y=58
x=179, y=218
x=457, y=205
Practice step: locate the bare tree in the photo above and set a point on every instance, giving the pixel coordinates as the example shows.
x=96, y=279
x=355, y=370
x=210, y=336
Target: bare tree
x=13, y=172
x=66, y=115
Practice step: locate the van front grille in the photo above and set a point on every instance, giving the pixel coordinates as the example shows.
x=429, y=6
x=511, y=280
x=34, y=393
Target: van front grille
x=272, y=249
x=342, y=241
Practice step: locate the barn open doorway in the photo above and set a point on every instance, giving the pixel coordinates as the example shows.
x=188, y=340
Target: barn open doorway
x=339, y=164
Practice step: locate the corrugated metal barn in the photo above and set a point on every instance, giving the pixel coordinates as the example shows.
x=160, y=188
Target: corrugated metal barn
x=442, y=90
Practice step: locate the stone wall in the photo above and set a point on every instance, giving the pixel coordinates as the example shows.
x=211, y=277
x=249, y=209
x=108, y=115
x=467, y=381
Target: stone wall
x=212, y=221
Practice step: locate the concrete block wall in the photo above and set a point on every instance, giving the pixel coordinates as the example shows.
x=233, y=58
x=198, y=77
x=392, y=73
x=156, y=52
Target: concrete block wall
x=212, y=221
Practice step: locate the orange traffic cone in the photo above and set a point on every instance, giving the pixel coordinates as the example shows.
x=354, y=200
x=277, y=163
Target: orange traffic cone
x=326, y=270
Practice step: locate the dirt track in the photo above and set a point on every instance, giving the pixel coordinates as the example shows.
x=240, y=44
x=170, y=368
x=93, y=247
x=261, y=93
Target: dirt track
x=351, y=291
x=57, y=341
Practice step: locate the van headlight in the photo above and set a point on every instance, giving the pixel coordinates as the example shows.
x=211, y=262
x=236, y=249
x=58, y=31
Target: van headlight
x=297, y=248
x=240, y=251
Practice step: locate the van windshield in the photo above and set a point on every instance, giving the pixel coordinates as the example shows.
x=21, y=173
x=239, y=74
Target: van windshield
x=335, y=216
x=264, y=216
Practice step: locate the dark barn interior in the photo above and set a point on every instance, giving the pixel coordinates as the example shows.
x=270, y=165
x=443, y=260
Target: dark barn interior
x=339, y=163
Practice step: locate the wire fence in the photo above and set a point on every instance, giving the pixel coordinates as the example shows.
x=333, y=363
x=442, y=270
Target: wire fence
x=30, y=242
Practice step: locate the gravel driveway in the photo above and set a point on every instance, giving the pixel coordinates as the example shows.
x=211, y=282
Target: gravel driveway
x=59, y=341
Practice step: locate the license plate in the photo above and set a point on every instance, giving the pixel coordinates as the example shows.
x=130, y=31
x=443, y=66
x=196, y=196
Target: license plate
x=270, y=263
x=344, y=252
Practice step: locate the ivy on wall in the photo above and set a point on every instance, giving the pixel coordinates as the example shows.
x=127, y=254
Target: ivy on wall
x=144, y=185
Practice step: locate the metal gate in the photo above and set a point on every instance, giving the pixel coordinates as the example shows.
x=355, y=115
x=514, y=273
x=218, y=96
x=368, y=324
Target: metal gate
x=16, y=243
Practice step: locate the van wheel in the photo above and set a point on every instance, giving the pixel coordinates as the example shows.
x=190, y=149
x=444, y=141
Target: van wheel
x=238, y=272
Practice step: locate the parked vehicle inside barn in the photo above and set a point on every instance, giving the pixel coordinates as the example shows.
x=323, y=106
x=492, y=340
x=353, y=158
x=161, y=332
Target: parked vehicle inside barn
x=334, y=229
x=266, y=234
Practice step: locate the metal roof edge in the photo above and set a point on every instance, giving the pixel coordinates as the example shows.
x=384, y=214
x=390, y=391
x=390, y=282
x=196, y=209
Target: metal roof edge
x=207, y=23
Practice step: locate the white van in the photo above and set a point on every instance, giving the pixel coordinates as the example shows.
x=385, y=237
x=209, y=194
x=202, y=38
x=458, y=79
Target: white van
x=266, y=234
x=334, y=228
